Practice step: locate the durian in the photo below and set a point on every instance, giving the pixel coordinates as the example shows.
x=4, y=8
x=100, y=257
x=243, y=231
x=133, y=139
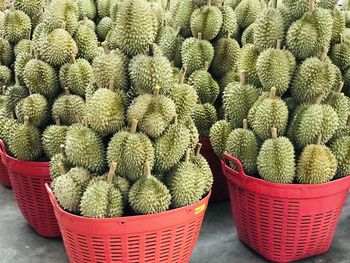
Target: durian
x=248, y=35
x=56, y=161
x=203, y=167
x=23, y=46
x=86, y=41
x=5, y=75
x=30, y=7
x=6, y=52
x=35, y=107
x=103, y=27
x=170, y=44
x=87, y=8
x=181, y=13
x=341, y=150
x=229, y=22
x=53, y=137
x=247, y=63
x=17, y=25
x=340, y=55
x=204, y=116
x=14, y=94
x=247, y=12
x=219, y=134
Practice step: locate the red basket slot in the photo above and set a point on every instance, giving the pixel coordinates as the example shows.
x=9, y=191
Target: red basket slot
x=28, y=183
x=4, y=176
x=284, y=222
x=164, y=237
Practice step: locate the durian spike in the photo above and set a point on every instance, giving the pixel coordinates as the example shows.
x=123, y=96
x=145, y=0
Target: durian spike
x=274, y=133
x=63, y=150
x=147, y=169
x=73, y=58
x=341, y=85
x=58, y=121
x=319, y=99
x=279, y=44
x=273, y=93
x=151, y=47
x=206, y=65
x=348, y=121
x=187, y=156
x=319, y=139
x=198, y=149
x=156, y=91
x=26, y=121
x=182, y=75
x=111, y=172
x=105, y=47
x=111, y=84
x=178, y=30
x=242, y=78
x=133, y=126
x=66, y=91
x=245, y=124
x=324, y=54
x=274, y=3
x=62, y=169
x=311, y=6
x=199, y=36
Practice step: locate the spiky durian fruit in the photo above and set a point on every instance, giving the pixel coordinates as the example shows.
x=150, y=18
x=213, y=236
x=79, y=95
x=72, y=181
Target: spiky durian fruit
x=14, y=94
x=103, y=27
x=204, y=168
x=53, y=137
x=246, y=94
x=247, y=12
x=62, y=14
x=56, y=161
x=20, y=63
x=170, y=148
x=17, y=25
x=219, y=133
x=154, y=113
x=247, y=63
x=105, y=110
x=206, y=87
x=134, y=28
x=6, y=52
x=229, y=22
x=340, y=148
x=271, y=112
x=248, y=35
x=276, y=160
x=204, y=116
x=149, y=71
x=69, y=188
x=77, y=76
x=206, y=20
x=242, y=144
x=84, y=148
x=170, y=44
x=149, y=195
x=268, y=29
x=103, y=7
x=25, y=141
x=158, y=14
x=7, y=126
x=110, y=65
x=30, y=7
x=5, y=75
x=58, y=47
x=342, y=131
x=86, y=41
x=340, y=55
x=186, y=183
x=35, y=107
x=87, y=8
x=181, y=13
x=101, y=199
x=227, y=52
x=229, y=77
x=205, y=2
x=275, y=68
x=194, y=134
x=315, y=119
x=68, y=108
x=313, y=77
x=317, y=164
x=185, y=97
x=23, y=46
x=338, y=25
x=195, y=52
x=130, y=150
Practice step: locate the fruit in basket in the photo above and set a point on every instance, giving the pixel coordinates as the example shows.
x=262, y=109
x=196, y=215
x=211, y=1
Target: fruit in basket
x=219, y=133
x=14, y=94
x=340, y=148
x=191, y=126
x=154, y=113
x=53, y=137
x=247, y=64
x=229, y=22
x=87, y=8
x=204, y=116
x=276, y=160
x=181, y=13
x=338, y=25
x=7, y=126
x=206, y=20
x=5, y=75
x=170, y=44
x=6, y=54
x=103, y=27
x=84, y=148
x=148, y=71
x=23, y=46
x=340, y=55
x=204, y=168
x=17, y=25
x=30, y=7
x=25, y=141
x=70, y=186
x=57, y=160
x=102, y=199
x=20, y=63
x=271, y=112
x=105, y=110
x=130, y=150
x=247, y=12
x=242, y=144
x=86, y=41
x=317, y=164
x=35, y=107
x=148, y=195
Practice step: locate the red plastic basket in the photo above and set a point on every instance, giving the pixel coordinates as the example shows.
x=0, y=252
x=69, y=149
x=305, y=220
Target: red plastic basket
x=4, y=176
x=219, y=189
x=28, y=183
x=284, y=222
x=164, y=237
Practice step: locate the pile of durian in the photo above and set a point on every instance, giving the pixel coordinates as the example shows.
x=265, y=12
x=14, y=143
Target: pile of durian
x=286, y=103
x=88, y=87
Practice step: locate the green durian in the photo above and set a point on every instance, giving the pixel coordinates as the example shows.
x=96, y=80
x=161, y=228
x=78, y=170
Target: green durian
x=229, y=77
x=30, y=7
x=87, y=8
x=180, y=16
x=68, y=108
x=242, y=144
x=248, y=35
x=103, y=7
x=148, y=71
x=7, y=126
x=194, y=134
x=53, y=137
x=148, y=195
x=229, y=22
x=247, y=12
x=103, y=28
x=219, y=133
x=204, y=116
x=130, y=150
x=205, y=2
x=113, y=10
x=84, y=148
x=23, y=46
x=247, y=63
x=25, y=141
x=6, y=52
x=340, y=55
x=17, y=25
x=56, y=161
x=276, y=160
x=272, y=112
x=195, y=52
x=204, y=84
x=226, y=55
x=5, y=75
x=170, y=44
x=69, y=188
x=165, y=29
x=295, y=119
x=102, y=199
x=20, y=63
x=158, y=15
x=204, y=168
x=338, y=25
x=340, y=148
x=317, y=164
x=35, y=107
x=206, y=20
x=86, y=41
x=14, y=94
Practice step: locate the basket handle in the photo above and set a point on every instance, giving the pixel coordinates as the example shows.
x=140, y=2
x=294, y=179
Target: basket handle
x=3, y=152
x=51, y=195
x=240, y=173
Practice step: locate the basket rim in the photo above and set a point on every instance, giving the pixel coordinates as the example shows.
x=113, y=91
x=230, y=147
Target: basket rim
x=58, y=208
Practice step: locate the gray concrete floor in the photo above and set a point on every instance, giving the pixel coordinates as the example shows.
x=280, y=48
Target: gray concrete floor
x=218, y=242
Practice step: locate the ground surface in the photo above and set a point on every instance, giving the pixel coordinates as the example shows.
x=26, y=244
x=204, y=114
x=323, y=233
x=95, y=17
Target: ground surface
x=218, y=242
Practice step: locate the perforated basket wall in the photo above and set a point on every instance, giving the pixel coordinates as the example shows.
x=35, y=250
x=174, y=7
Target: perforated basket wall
x=159, y=238
x=4, y=176
x=28, y=183
x=284, y=222
x=219, y=190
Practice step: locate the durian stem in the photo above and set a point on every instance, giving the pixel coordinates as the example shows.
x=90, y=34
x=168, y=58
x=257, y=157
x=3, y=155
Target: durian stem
x=242, y=78
x=111, y=172
x=66, y=91
x=175, y=120
x=206, y=65
x=341, y=85
x=209, y=3
x=341, y=36
x=111, y=84
x=226, y=118
x=151, y=49
x=274, y=3
x=182, y=75
x=17, y=80
x=324, y=54
x=187, y=156
x=311, y=6
x=319, y=99
x=78, y=119
x=273, y=93
x=348, y=121
x=198, y=149
x=63, y=150
x=58, y=121
x=245, y=124
x=62, y=169
x=319, y=139
x=26, y=121
x=279, y=44
x=178, y=30
x=147, y=169
x=156, y=91
x=274, y=133
x=133, y=126
x=105, y=47
x=228, y=35
x=199, y=36
x=167, y=6
x=73, y=58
